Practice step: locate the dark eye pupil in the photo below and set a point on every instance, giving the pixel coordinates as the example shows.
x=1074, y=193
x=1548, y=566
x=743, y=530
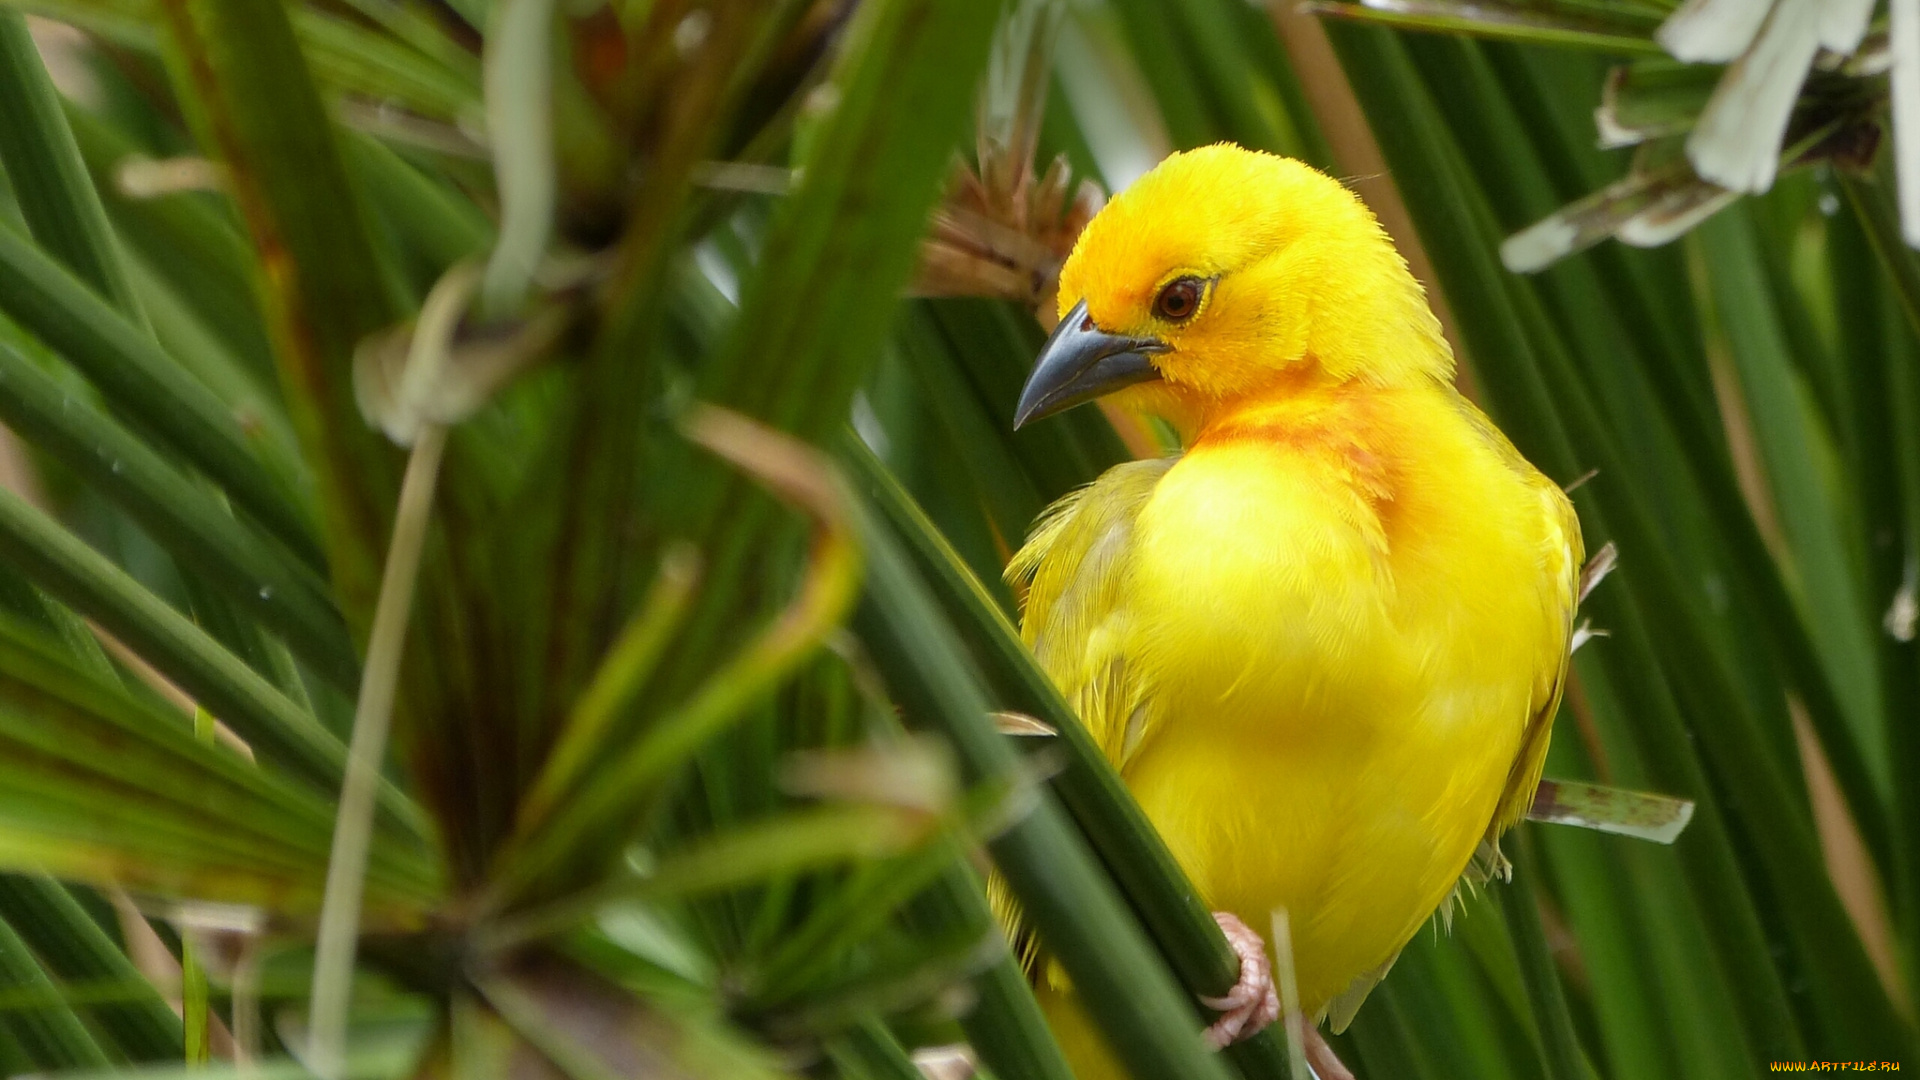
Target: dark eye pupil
x=1178, y=300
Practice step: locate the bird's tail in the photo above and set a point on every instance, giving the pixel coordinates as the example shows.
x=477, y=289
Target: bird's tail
x=1082, y=1043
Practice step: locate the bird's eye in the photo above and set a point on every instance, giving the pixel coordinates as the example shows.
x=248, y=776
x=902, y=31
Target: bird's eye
x=1180, y=299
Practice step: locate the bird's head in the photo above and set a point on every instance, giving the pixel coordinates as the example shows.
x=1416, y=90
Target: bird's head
x=1224, y=276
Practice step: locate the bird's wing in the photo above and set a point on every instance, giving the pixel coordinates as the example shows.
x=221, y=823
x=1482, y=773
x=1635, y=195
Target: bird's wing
x=1563, y=551
x=1073, y=566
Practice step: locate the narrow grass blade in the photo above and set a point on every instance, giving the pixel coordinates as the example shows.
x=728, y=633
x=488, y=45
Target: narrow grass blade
x=75, y=948
x=78, y=741
x=257, y=110
x=1120, y=979
x=1876, y=204
x=434, y=221
x=53, y=1036
x=202, y=246
x=48, y=177
x=182, y=516
x=1502, y=22
x=620, y=789
x=1658, y=818
x=1387, y=85
x=1005, y=1026
x=279, y=730
x=194, y=1006
x=349, y=56
x=1793, y=447
x=147, y=386
x=870, y=1052
x=592, y=722
x=734, y=858
x=1562, y=1056
x=1126, y=841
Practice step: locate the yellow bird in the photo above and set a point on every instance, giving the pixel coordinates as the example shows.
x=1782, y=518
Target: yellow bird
x=1323, y=644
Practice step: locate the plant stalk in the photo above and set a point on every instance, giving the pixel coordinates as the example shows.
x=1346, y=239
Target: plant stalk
x=353, y=828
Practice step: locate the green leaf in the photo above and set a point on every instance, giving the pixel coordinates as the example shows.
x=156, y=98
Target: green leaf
x=1561, y=1055
x=813, y=315
x=147, y=387
x=107, y=788
x=48, y=177
x=1119, y=831
x=1620, y=30
x=733, y=858
x=1873, y=205
x=1115, y=971
x=256, y=109
x=220, y=682
x=1790, y=443
x=53, y=1036
x=198, y=241
x=75, y=948
x=1219, y=72
x=1413, y=137
x=437, y=225
x=350, y=57
x=1536, y=390
x=182, y=516
x=1658, y=818
x=870, y=1052
x=1005, y=1026
x=849, y=233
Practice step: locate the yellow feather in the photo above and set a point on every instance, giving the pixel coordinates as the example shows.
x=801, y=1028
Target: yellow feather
x=1325, y=644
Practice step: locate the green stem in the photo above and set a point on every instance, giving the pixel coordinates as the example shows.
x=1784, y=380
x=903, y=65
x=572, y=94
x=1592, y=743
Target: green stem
x=193, y=1003
x=1129, y=846
x=1561, y=1055
x=870, y=1052
x=353, y=828
x=1117, y=975
x=519, y=88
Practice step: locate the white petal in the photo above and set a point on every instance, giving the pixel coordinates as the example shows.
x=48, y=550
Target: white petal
x=1844, y=23
x=1674, y=215
x=1712, y=31
x=1540, y=245
x=1736, y=144
x=1904, y=40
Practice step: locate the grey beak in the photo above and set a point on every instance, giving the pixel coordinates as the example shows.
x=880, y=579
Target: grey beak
x=1081, y=362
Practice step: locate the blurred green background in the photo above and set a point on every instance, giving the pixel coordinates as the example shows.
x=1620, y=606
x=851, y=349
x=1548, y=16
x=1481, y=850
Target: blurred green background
x=504, y=503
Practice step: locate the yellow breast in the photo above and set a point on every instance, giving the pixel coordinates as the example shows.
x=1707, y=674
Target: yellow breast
x=1335, y=618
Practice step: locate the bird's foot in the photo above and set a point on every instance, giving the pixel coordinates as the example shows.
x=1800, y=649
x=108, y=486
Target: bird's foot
x=1253, y=1003
x=1325, y=1063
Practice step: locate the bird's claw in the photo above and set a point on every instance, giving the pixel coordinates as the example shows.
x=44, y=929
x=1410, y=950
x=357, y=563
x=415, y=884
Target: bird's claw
x=1253, y=1003
x=1326, y=1065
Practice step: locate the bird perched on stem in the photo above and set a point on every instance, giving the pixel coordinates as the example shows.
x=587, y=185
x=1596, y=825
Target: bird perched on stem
x=1324, y=643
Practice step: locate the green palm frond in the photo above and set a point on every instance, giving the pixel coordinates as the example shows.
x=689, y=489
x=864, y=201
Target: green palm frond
x=721, y=309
